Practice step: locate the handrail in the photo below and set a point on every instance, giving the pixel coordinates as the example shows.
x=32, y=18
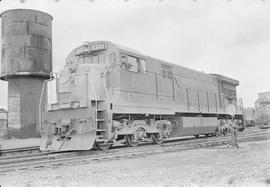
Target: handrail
x=104, y=85
x=104, y=75
x=95, y=95
x=41, y=97
x=63, y=142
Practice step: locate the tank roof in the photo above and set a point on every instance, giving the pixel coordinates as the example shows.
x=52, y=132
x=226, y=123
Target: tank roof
x=31, y=10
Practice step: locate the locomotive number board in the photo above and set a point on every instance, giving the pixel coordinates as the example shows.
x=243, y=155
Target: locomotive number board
x=91, y=47
x=97, y=46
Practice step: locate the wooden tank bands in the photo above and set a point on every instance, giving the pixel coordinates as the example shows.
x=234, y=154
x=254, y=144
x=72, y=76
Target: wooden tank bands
x=26, y=43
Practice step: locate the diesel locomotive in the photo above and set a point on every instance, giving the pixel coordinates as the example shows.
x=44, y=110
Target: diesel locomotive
x=108, y=94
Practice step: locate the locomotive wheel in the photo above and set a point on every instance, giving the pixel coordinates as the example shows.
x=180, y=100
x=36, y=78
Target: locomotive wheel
x=157, y=139
x=131, y=142
x=103, y=146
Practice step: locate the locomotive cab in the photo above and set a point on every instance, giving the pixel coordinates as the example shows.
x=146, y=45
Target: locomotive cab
x=71, y=98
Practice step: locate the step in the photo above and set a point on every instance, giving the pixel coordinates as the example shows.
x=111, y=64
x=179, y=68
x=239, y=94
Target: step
x=101, y=120
x=100, y=109
x=99, y=136
x=97, y=100
x=100, y=100
x=101, y=130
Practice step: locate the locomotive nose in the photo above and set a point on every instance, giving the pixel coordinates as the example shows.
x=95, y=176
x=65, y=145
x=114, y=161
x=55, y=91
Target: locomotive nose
x=76, y=128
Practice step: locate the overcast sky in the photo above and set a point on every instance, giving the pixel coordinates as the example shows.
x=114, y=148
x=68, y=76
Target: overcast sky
x=215, y=36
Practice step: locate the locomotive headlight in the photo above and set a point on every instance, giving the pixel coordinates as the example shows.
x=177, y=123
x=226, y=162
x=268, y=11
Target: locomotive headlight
x=86, y=46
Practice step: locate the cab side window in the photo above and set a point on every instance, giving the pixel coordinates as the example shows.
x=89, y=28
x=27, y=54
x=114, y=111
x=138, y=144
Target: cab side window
x=134, y=64
x=124, y=63
x=130, y=63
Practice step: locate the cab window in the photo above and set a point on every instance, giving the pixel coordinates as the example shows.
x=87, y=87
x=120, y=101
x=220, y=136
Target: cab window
x=93, y=59
x=134, y=64
x=112, y=58
x=87, y=60
x=124, y=63
x=81, y=60
x=130, y=63
x=101, y=58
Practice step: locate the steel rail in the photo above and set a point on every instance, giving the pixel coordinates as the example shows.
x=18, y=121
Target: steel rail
x=18, y=150
x=182, y=140
x=63, y=159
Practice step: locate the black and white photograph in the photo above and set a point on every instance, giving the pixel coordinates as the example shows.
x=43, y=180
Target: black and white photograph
x=135, y=93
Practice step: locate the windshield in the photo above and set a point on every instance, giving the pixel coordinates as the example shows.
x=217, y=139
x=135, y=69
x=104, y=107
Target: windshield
x=91, y=59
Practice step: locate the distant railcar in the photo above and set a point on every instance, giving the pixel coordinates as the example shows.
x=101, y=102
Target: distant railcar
x=109, y=94
x=249, y=115
x=262, y=106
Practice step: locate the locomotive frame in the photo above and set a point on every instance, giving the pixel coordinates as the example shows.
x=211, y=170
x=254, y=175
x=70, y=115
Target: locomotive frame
x=109, y=94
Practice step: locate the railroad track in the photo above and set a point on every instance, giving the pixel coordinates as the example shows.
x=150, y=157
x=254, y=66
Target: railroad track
x=35, y=149
x=56, y=159
x=19, y=151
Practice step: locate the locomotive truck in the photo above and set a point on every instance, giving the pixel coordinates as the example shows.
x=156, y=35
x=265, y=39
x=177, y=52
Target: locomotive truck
x=108, y=94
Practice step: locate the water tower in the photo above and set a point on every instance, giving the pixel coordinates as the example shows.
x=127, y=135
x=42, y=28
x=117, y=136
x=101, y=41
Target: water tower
x=26, y=61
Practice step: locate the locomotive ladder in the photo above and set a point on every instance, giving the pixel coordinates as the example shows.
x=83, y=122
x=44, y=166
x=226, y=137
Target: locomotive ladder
x=100, y=120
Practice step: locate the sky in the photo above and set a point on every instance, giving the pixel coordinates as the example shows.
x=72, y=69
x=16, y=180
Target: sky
x=229, y=37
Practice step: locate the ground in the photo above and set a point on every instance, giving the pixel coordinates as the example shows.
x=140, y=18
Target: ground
x=19, y=143
x=218, y=166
